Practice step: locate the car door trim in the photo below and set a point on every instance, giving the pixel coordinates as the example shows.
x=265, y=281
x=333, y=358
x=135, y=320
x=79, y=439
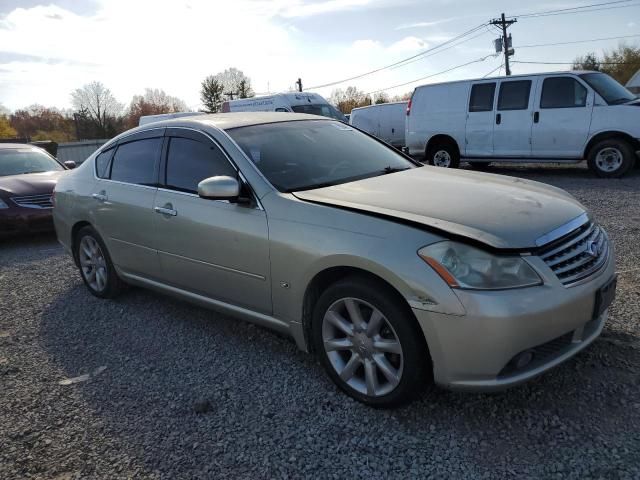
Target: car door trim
x=216, y=266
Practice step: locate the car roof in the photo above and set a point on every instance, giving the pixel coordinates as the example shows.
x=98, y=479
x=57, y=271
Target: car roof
x=17, y=145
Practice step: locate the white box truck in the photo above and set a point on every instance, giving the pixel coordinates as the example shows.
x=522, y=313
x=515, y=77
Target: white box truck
x=298, y=102
x=385, y=121
x=548, y=117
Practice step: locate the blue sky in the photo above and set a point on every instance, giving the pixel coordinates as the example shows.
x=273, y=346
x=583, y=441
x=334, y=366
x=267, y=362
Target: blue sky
x=48, y=48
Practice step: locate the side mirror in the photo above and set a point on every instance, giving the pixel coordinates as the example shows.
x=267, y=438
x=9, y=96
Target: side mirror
x=70, y=164
x=219, y=188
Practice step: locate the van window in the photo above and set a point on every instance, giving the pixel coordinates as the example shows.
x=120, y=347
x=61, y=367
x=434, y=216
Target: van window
x=135, y=162
x=482, y=95
x=190, y=161
x=563, y=92
x=324, y=110
x=514, y=95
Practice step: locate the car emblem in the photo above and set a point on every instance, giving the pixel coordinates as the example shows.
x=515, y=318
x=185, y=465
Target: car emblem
x=592, y=249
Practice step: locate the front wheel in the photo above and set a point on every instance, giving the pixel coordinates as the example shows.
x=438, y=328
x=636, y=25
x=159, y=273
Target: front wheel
x=444, y=155
x=611, y=158
x=370, y=346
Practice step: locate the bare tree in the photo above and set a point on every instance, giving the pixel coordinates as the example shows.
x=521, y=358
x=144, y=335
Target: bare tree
x=96, y=103
x=347, y=100
x=153, y=102
x=236, y=82
x=381, y=97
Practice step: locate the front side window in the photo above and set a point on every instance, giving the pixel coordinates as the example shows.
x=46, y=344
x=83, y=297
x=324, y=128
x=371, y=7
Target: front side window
x=612, y=92
x=308, y=154
x=190, y=161
x=324, y=110
x=482, y=95
x=563, y=92
x=19, y=161
x=514, y=95
x=135, y=162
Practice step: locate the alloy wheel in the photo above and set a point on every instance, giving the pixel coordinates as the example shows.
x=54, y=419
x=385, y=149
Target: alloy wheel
x=92, y=263
x=362, y=347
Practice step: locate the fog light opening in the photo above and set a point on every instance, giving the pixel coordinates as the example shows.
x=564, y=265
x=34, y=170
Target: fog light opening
x=523, y=359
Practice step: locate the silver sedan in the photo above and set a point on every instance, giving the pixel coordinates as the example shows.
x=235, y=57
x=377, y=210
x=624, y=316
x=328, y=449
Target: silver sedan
x=394, y=274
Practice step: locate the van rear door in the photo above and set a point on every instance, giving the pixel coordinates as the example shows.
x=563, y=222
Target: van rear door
x=480, y=120
x=562, y=118
x=514, y=118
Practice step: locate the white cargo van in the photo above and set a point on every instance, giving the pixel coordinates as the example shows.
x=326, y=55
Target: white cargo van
x=165, y=116
x=298, y=102
x=552, y=117
x=385, y=121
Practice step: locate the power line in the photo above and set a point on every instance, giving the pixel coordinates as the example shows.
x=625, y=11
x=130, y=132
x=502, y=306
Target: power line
x=429, y=50
x=580, y=11
x=578, y=41
x=571, y=63
x=494, y=70
x=570, y=10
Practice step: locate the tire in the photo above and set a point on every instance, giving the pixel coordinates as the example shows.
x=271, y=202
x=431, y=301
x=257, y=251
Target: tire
x=95, y=265
x=480, y=166
x=443, y=154
x=399, y=365
x=611, y=158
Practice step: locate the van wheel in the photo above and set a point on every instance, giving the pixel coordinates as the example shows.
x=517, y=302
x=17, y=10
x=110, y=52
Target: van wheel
x=444, y=155
x=96, y=268
x=611, y=158
x=370, y=346
x=480, y=166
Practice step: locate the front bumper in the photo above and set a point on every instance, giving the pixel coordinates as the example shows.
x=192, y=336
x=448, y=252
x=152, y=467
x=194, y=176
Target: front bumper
x=19, y=221
x=476, y=351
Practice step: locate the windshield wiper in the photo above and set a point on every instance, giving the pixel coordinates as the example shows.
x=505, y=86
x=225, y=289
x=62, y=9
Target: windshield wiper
x=622, y=100
x=390, y=169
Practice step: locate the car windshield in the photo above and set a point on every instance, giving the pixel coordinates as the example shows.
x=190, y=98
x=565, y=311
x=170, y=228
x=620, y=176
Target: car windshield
x=612, y=92
x=302, y=155
x=17, y=161
x=323, y=109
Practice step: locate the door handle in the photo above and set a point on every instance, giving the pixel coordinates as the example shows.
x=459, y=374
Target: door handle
x=498, y=118
x=101, y=197
x=166, y=210
x=536, y=117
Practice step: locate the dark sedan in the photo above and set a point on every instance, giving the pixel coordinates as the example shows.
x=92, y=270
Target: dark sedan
x=27, y=177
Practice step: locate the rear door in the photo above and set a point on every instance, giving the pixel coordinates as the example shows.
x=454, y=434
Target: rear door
x=480, y=120
x=211, y=247
x=123, y=201
x=561, y=123
x=514, y=118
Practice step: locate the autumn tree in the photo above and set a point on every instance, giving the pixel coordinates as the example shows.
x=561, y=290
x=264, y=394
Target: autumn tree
x=153, y=102
x=347, y=100
x=96, y=107
x=402, y=98
x=6, y=130
x=587, y=62
x=211, y=94
x=621, y=63
x=38, y=122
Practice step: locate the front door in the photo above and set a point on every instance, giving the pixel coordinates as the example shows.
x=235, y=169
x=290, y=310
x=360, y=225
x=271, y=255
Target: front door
x=123, y=200
x=211, y=247
x=513, y=119
x=480, y=119
x=561, y=123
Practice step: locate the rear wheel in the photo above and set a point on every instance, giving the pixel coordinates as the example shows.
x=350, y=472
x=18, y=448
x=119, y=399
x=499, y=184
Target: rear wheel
x=370, y=346
x=96, y=268
x=611, y=158
x=444, y=154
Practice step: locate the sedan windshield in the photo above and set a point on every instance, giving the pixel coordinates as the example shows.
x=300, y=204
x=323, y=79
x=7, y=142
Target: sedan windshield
x=17, y=161
x=302, y=155
x=322, y=109
x=612, y=92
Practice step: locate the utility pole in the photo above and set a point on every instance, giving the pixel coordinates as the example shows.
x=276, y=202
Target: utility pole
x=506, y=41
x=230, y=94
x=299, y=84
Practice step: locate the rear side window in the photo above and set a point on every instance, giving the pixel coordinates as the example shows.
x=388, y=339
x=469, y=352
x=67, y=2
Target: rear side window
x=135, y=162
x=563, y=92
x=190, y=161
x=102, y=163
x=514, y=95
x=482, y=95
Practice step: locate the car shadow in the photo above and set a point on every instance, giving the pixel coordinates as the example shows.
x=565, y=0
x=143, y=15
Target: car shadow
x=163, y=356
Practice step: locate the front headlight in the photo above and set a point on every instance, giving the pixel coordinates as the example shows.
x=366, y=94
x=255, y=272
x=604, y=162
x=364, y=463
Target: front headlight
x=3, y=204
x=462, y=266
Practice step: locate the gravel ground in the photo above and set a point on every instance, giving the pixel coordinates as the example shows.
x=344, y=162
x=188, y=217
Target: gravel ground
x=175, y=391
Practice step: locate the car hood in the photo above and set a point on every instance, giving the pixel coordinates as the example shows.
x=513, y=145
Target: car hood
x=29, y=184
x=499, y=211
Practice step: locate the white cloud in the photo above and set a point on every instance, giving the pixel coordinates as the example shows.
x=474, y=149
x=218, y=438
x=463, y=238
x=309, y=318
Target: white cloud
x=631, y=24
x=305, y=9
x=432, y=23
x=408, y=44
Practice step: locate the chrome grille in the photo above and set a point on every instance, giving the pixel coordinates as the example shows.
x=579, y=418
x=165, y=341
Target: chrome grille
x=577, y=255
x=33, y=201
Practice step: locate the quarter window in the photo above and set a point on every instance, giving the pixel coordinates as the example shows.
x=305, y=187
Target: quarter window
x=514, y=95
x=102, y=163
x=482, y=95
x=190, y=161
x=563, y=92
x=135, y=162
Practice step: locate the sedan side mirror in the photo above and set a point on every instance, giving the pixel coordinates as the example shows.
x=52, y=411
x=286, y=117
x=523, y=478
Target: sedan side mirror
x=219, y=188
x=70, y=164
